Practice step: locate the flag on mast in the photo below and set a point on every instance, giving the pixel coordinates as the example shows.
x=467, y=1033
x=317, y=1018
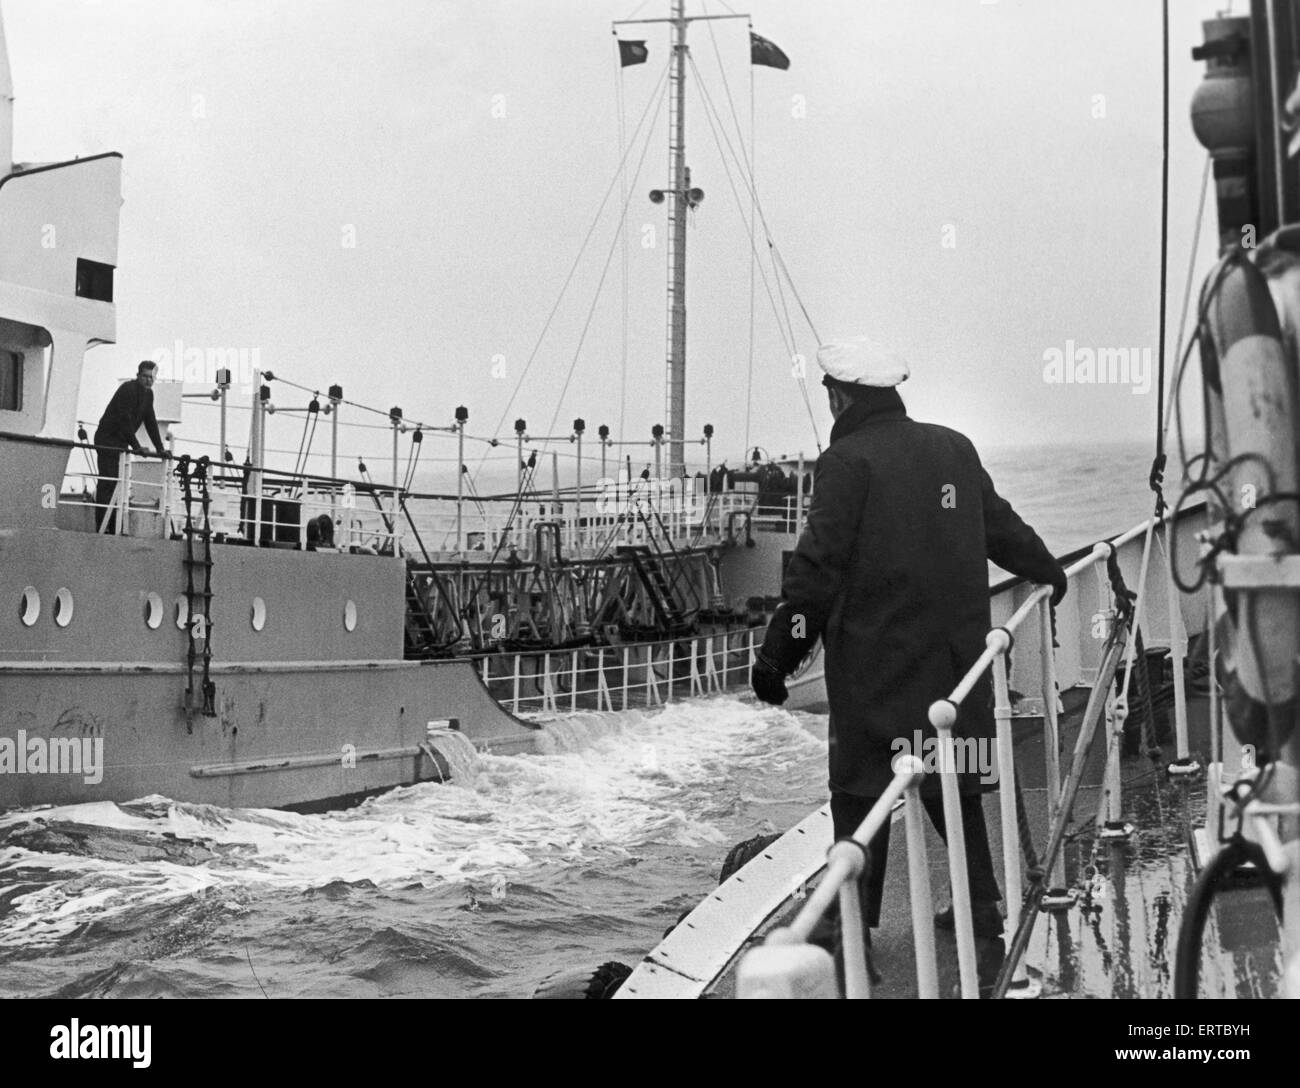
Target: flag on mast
x=761, y=51
x=632, y=53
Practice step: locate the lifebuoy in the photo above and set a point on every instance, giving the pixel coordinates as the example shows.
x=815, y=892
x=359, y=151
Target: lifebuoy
x=1251, y=382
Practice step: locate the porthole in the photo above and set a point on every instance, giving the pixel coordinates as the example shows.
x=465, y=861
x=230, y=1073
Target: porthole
x=30, y=609
x=259, y=613
x=153, y=611
x=182, y=613
x=350, y=616
x=63, y=607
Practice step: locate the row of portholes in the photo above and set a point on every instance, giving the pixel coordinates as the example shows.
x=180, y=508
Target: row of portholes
x=30, y=610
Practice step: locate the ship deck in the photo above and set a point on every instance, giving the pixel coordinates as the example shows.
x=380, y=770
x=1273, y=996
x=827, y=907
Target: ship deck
x=1119, y=940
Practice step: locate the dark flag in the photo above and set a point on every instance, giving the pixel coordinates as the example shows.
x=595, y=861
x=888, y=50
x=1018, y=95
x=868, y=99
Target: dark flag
x=761, y=51
x=633, y=53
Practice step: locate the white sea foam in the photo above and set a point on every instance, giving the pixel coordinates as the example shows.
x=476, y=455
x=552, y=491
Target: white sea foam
x=604, y=783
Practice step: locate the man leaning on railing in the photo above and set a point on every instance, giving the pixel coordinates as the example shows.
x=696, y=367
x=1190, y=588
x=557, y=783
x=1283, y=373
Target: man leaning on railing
x=891, y=572
x=131, y=407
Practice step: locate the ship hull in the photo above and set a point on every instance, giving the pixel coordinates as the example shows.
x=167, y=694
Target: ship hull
x=318, y=706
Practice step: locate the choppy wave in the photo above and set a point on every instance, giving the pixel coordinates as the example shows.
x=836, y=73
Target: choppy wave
x=602, y=785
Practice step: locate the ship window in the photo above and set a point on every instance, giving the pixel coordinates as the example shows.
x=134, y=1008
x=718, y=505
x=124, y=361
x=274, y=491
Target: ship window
x=63, y=607
x=11, y=381
x=182, y=613
x=153, y=611
x=31, y=606
x=259, y=613
x=94, y=280
x=350, y=616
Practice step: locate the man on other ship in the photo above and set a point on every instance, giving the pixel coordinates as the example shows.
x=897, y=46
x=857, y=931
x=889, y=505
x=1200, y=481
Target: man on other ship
x=891, y=572
x=131, y=406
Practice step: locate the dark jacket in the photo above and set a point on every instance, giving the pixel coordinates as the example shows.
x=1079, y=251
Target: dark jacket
x=131, y=406
x=892, y=572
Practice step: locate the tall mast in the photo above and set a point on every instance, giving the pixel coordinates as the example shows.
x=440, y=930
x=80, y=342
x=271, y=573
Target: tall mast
x=675, y=387
x=681, y=198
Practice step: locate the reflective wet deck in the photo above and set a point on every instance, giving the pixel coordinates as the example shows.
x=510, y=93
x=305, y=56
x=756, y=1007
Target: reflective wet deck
x=1120, y=939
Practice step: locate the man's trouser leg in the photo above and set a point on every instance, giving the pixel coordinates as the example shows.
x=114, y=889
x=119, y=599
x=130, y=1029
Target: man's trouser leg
x=984, y=892
x=847, y=813
x=109, y=460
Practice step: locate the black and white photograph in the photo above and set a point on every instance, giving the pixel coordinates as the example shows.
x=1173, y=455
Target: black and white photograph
x=551, y=500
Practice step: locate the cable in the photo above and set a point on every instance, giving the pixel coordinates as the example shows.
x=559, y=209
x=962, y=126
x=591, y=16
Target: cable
x=784, y=324
x=1187, y=959
x=618, y=233
x=654, y=95
x=1157, y=469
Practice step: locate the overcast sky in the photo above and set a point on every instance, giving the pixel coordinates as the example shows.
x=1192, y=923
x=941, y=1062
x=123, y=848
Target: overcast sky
x=390, y=195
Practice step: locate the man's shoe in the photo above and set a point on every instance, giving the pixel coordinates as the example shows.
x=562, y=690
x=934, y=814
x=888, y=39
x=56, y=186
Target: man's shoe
x=986, y=920
x=990, y=954
x=827, y=935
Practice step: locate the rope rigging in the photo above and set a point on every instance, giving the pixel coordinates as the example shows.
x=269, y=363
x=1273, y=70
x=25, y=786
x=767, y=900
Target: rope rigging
x=654, y=95
x=718, y=130
x=619, y=234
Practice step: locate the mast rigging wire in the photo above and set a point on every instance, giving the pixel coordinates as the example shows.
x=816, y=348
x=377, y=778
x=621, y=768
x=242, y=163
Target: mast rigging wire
x=619, y=233
x=576, y=260
x=753, y=253
x=622, y=159
x=784, y=324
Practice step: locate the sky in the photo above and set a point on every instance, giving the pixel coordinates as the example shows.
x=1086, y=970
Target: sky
x=391, y=195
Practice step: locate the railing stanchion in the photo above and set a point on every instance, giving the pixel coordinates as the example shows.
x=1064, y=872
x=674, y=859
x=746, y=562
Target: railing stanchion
x=918, y=886
x=1051, y=731
x=999, y=640
x=164, y=500
x=1183, y=763
x=857, y=979
x=124, y=494
x=943, y=715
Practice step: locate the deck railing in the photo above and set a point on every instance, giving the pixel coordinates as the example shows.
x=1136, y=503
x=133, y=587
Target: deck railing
x=265, y=508
x=622, y=677
x=771, y=970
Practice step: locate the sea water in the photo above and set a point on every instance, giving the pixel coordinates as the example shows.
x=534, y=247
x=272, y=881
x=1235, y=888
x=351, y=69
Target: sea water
x=583, y=853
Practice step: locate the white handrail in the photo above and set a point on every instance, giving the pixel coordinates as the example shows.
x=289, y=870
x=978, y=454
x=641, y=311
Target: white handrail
x=846, y=860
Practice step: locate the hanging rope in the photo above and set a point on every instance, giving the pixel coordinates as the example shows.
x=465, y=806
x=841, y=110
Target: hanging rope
x=1157, y=475
x=413, y=458
x=308, y=434
x=1033, y=871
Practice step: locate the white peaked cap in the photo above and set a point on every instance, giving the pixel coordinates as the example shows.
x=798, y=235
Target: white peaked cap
x=859, y=360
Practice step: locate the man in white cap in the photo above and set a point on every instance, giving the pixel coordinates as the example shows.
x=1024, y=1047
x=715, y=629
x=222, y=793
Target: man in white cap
x=891, y=573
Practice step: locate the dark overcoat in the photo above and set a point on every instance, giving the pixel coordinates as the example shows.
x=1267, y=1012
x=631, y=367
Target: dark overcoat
x=892, y=572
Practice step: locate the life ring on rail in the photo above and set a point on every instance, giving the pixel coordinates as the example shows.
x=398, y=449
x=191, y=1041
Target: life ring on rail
x=1252, y=417
x=597, y=985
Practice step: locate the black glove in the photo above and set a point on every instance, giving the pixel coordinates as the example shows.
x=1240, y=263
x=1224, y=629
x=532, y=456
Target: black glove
x=1059, y=585
x=768, y=681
